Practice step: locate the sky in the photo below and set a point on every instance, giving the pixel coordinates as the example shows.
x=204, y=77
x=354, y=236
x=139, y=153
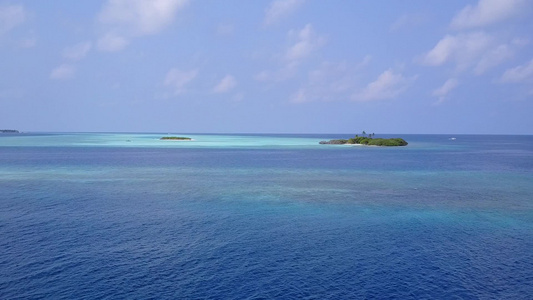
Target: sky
x=281, y=66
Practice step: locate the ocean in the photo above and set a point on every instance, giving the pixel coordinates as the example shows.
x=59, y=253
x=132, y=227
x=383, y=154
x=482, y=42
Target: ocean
x=128, y=216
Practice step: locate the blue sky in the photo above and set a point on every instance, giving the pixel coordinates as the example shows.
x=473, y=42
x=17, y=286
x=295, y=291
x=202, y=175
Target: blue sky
x=292, y=66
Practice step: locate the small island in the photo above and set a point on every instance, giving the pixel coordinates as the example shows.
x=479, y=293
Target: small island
x=370, y=141
x=9, y=131
x=175, y=138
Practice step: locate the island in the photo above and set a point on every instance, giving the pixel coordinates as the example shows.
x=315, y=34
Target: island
x=175, y=138
x=362, y=140
x=9, y=131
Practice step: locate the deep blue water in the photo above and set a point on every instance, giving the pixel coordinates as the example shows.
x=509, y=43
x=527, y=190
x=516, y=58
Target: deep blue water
x=260, y=217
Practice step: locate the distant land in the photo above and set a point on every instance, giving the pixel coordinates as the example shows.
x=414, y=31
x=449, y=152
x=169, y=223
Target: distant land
x=362, y=140
x=9, y=131
x=176, y=138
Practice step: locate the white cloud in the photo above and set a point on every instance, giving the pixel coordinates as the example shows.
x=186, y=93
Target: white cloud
x=461, y=48
x=238, y=97
x=445, y=89
x=112, y=43
x=29, y=42
x=263, y=76
x=77, y=51
x=286, y=72
x=441, y=52
x=493, y=57
x=341, y=82
x=178, y=79
x=301, y=96
x=140, y=17
x=307, y=42
x=11, y=16
x=520, y=42
x=125, y=19
x=366, y=60
x=388, y=85
x=226, y=84
x=487, y=12
x=476, y=51
x=408, y=21
x=520, y=73
x=64, y=71
x=280, y=9
x=225, y=29
x=335, y=77
x=304, y=43
x=329, y=82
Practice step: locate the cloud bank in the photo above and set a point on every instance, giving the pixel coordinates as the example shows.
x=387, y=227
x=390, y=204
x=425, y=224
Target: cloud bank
x=445, y=89
x=11, y=16
x=280, y=9
x=178, y=79
x=64, y=71
x=126, y=19
x=520, y=73
x=77, y=51
x=226, y=84
x=487, y=12
x=388, y=85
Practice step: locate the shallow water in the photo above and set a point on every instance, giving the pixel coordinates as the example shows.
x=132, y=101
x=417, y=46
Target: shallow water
x=265, y=216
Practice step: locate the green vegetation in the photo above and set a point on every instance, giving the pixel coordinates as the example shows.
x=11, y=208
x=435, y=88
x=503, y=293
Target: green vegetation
x=176, y=138
x=368, y=141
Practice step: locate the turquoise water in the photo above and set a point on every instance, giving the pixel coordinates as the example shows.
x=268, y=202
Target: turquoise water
x=265, y=216
x=153, y=140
